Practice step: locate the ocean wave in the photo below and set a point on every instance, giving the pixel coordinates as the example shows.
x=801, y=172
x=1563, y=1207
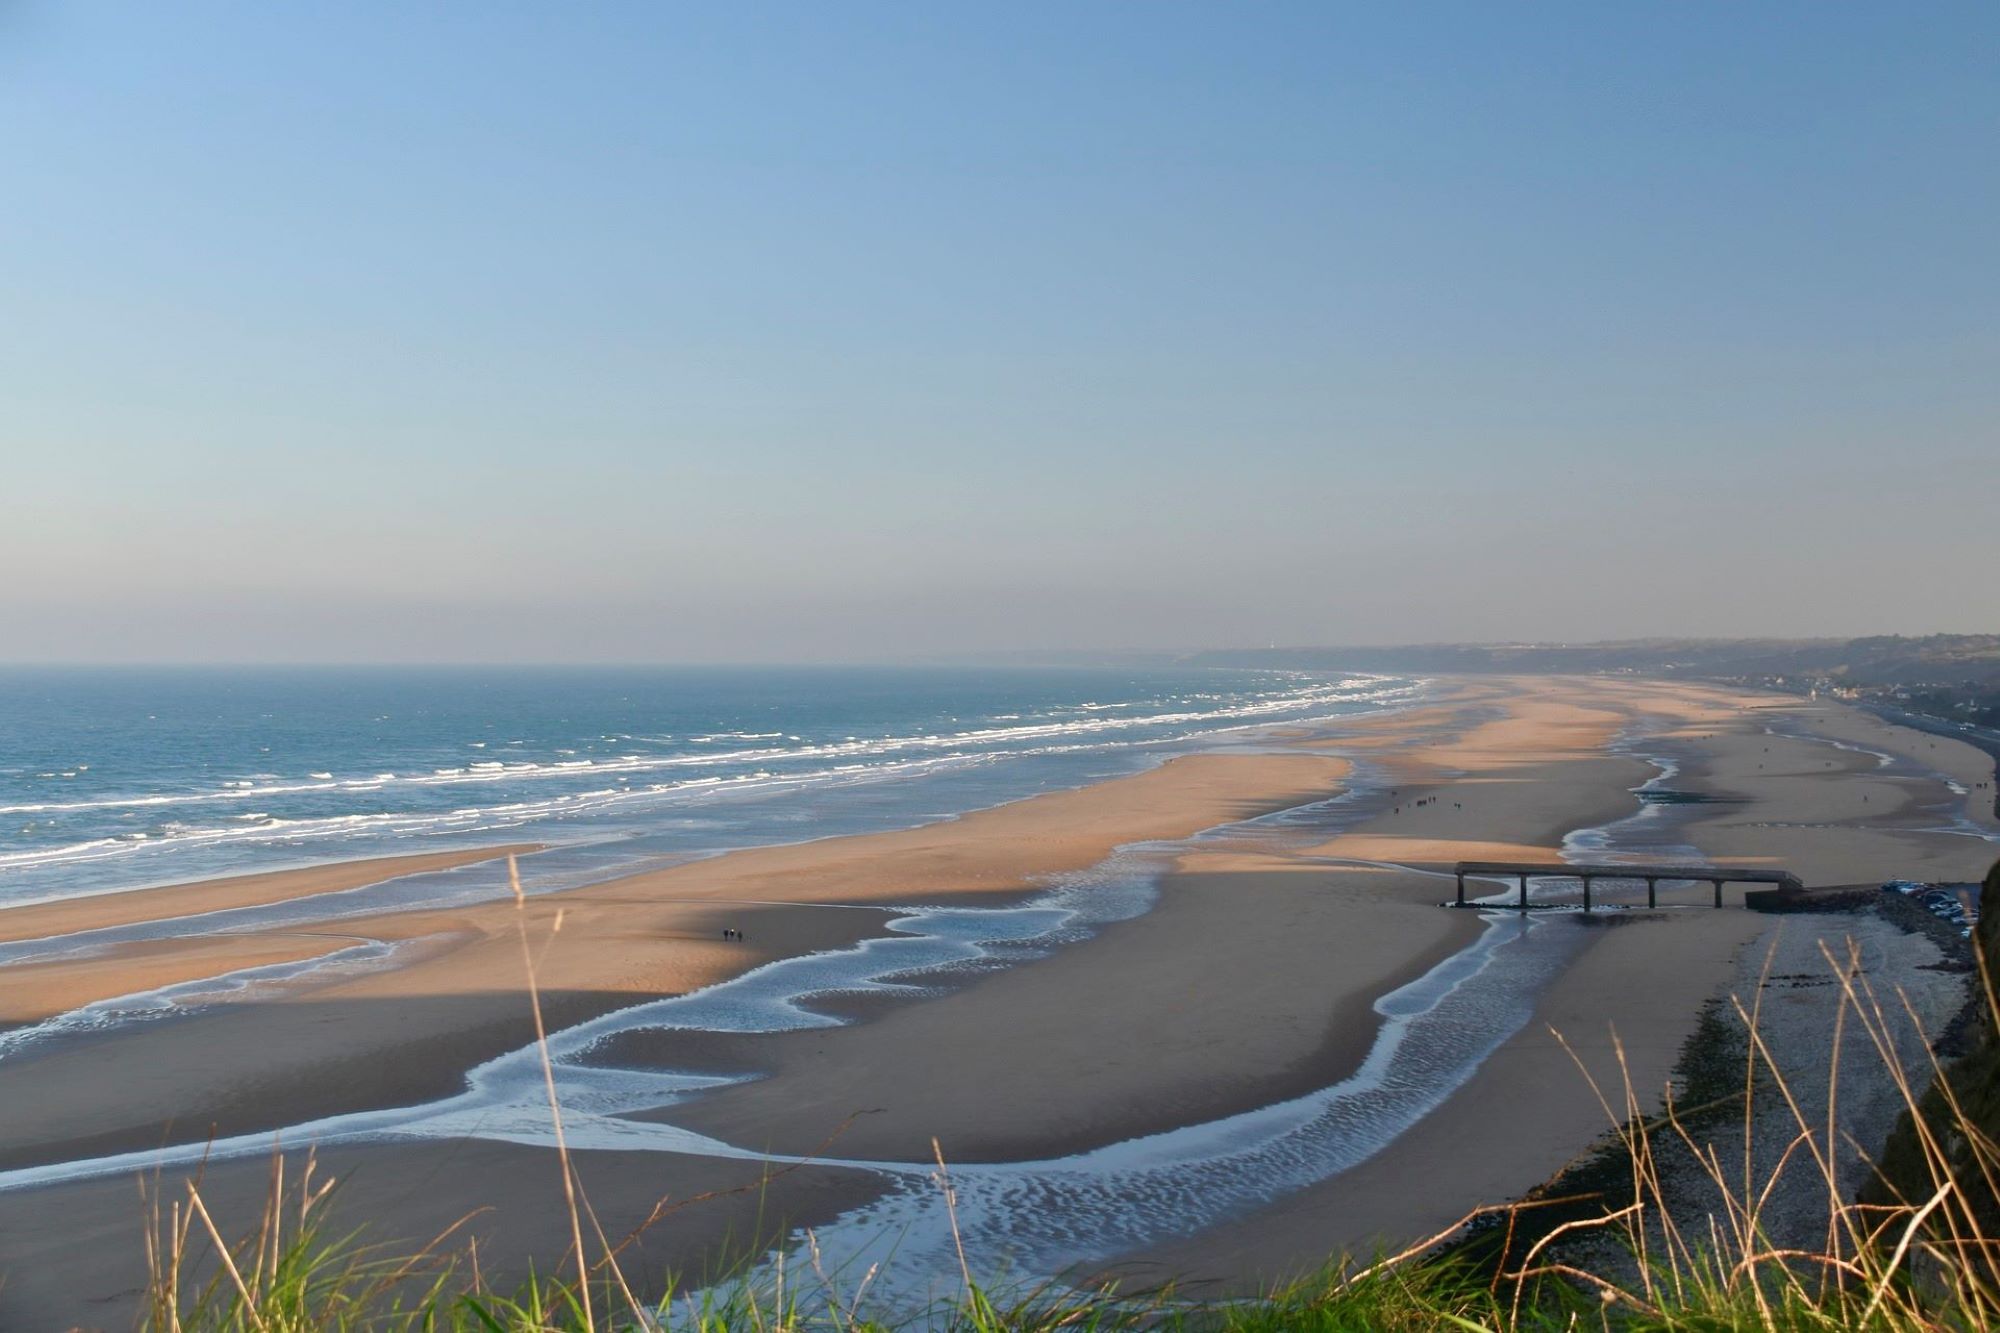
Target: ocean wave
x=174, y=835
x=487, y=771
x=620, y=782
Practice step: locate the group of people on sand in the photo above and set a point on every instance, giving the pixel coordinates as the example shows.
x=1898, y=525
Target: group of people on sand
x=1428, y=800
x=731, y=933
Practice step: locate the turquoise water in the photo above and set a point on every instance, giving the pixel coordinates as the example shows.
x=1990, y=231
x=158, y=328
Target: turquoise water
x=116, y=778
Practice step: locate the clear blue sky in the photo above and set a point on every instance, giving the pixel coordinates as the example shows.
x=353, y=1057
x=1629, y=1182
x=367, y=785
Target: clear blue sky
x=637, y=331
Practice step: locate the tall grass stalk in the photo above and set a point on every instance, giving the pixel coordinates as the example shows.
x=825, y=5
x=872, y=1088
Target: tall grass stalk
x=569, y=1182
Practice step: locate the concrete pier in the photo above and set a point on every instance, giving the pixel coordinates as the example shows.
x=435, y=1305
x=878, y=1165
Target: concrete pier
x=1523, y=871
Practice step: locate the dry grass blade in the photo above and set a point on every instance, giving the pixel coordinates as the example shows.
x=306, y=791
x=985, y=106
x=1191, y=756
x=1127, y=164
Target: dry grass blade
x=951, y=1212
x=549, y=1082
x=1895, y=1261
x=228, y=1261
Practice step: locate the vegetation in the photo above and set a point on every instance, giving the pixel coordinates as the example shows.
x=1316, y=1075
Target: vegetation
x=1962, y=666
x=1919, y=1253
x=1959, y=1115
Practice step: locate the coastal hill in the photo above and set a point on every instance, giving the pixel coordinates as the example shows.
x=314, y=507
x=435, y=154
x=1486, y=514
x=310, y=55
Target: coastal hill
x=1945, y=675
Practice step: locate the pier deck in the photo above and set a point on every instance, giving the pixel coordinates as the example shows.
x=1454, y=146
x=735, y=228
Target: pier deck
x=1651, y=874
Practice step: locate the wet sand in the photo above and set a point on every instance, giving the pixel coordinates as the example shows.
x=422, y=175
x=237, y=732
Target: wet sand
x=1252, y=979
x=68, y=916
x=1625, y=1006
x=456, y=995
x=407, y=1034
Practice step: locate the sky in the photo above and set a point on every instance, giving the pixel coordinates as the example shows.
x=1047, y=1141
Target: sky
x=646, y=332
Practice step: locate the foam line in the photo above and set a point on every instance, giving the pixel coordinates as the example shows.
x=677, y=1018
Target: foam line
x=187, y=997
x=689, y=778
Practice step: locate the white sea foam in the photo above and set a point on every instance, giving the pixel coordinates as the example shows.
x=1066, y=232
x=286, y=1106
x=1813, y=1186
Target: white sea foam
x=774, y=768
x=189, y=996
x=1340, y=693
x=468, y=819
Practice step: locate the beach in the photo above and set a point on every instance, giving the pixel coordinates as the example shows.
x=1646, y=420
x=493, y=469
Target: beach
x=1270, y=897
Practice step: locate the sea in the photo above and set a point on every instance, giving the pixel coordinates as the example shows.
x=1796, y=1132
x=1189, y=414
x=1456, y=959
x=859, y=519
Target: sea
x=127, y=777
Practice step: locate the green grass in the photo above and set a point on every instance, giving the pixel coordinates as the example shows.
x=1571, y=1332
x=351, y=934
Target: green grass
x=312, y=1283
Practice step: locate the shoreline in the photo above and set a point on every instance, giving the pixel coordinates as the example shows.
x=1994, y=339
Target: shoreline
x=1254, y=976
x=627, y=940
x=1056, y=744
x=55, y=918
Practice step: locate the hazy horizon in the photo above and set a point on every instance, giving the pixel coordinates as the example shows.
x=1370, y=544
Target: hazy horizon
x=873, y=334
x=1022, y=659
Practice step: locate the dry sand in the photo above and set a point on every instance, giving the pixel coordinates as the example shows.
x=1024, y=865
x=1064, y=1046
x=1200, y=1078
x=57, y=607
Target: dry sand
x=1251, y=979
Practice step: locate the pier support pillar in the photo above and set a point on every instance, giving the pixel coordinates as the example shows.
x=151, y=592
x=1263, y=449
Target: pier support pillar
x=1718, y=893
x=1524, y=893
x=1652, y=899
x=1461, y=888
x=1586, y=893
